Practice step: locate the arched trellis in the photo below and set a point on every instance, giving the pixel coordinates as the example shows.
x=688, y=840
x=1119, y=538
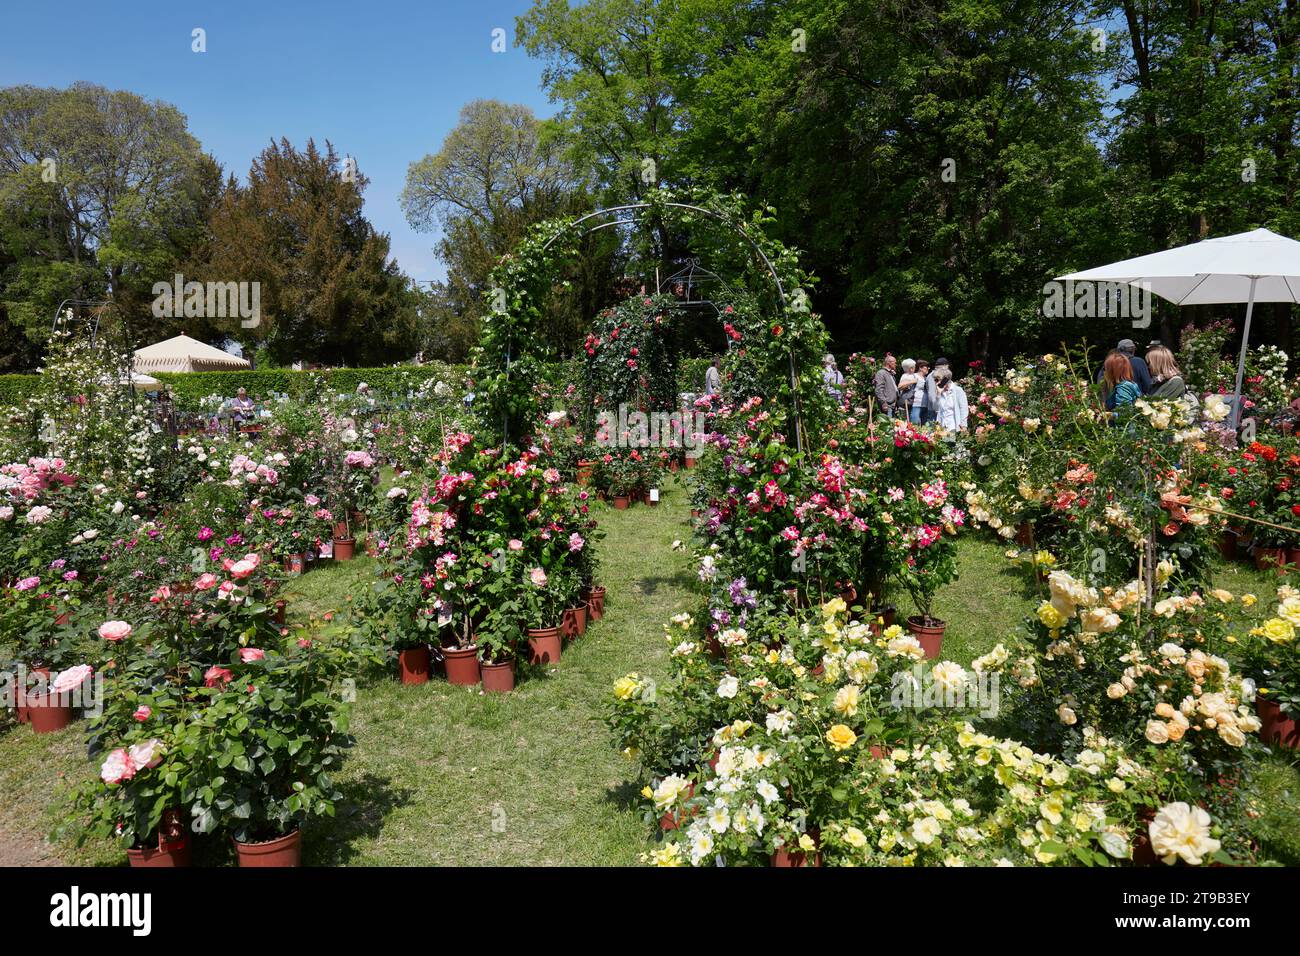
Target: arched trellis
x=632, y=214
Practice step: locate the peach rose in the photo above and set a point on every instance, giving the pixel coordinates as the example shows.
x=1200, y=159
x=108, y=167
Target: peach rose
x=114, y=630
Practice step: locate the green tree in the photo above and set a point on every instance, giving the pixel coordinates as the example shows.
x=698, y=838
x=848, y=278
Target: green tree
x=329, y=292
x=102, y=193
x=498, y=172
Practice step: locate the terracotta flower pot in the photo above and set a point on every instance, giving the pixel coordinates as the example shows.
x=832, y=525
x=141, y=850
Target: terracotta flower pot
x=281, y=609
x=787, y=857
x=1271, y=558
x=1024, y=534
x=574, y=622
x=544, y=645
x=282, y=851
x=1228, y=544
x=294, y=563
x=674, y=465
x=23, y=712
x=583, y=475
x=1276, y=728
x=930, y=635
x=344, y=548
x=621, y=502
x=413, y=665
x=1143, y=853
x=691, y=462
x=498, y=678
x=595, y=603
x=462, y=665
x=62, y=619
x=167, y=854
x=340, y=529
x=49, y=712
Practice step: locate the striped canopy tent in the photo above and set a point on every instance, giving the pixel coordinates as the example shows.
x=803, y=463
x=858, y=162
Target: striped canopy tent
x=184, y=354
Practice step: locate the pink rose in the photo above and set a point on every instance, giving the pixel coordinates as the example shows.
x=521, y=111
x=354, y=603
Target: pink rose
x=143, y=713
x=26, y=584
x=72, y=677
x=114, y=630
x=205, y=582
x=242, y=569
x=118, y=767
x=147, y=755
x=538, y=577
x=215, y=676
x=516, y=544
x=249, y=654
x=226, y=590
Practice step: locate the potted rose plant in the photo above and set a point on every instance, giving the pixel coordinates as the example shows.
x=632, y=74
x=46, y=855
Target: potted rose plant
x=543, y=604
x=143, y=784
x=264, y=751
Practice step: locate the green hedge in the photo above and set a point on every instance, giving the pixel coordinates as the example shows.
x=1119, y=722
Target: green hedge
x=189, y=388
x=16, y=389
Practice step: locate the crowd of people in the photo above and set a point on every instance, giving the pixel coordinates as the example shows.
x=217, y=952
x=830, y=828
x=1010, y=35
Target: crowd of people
x=927, y=393
x=923, y=393
x=1125, y=377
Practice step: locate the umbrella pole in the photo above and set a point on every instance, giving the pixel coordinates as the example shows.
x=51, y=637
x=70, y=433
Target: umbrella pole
x=1241, y=359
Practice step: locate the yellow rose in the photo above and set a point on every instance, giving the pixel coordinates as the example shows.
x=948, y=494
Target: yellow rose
x=1050, y=616
x=841, y=737
x=1289, y=610
x=1278, y=631
x=855, y=837
x=833, y=607
x=1248, y=600
x=846, y=700
x=625, y=688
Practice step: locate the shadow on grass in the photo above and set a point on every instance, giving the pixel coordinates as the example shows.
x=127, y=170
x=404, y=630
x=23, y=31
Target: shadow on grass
x=361, y=813
x=625, y=796
x=682, y=580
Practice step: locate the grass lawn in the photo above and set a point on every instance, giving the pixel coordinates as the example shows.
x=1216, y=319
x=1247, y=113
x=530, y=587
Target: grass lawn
x=444, y=775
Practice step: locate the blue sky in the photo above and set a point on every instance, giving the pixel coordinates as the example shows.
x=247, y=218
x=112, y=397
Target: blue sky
x=383, y=80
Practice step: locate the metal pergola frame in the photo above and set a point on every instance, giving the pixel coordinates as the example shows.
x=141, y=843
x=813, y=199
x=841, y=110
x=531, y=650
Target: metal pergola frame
x=640, y=207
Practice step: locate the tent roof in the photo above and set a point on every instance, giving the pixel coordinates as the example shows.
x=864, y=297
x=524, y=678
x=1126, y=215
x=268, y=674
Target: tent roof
x=184, y=354
x=1212, y=271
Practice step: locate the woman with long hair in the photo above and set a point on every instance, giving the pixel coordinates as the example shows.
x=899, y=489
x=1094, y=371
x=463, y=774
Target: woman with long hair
x=1166, y=380
x=1117, y=381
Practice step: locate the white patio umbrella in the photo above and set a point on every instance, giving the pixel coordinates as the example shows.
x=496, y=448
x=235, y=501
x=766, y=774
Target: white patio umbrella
x=141, y=382
x=1250, y=267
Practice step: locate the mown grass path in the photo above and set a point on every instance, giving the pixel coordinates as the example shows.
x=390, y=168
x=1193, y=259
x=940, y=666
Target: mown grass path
x=444, y=775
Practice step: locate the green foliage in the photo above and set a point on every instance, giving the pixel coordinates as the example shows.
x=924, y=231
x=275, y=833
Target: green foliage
x=188, y=389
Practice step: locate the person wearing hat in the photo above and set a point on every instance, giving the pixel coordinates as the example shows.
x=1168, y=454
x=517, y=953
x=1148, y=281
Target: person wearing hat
x=1141, y=374
x=931, y=392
